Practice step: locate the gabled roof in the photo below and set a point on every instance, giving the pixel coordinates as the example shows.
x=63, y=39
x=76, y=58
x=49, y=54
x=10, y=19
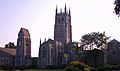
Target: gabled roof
x=48, y=41
x=25, y=31
x=9, y=51
x=114, y=41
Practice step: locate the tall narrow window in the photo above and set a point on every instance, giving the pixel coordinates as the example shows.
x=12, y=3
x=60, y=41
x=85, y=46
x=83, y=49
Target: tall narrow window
x=62, y=19
x=59, y=20
x=20, y=43
x=44, y=53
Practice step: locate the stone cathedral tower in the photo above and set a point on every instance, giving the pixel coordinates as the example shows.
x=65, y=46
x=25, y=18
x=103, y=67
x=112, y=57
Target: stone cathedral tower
x=63, y=27
x=23, y=50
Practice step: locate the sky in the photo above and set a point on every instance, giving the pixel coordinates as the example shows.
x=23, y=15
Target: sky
x=38, y=16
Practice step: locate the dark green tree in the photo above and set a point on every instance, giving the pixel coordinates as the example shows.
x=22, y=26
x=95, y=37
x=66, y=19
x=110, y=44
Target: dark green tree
x=10, y=45
x=117, y=7
x=94, y=39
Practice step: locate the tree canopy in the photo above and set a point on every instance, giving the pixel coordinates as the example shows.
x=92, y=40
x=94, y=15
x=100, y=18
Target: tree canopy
x=10, y=45
x=94, y=39
x=117, y=7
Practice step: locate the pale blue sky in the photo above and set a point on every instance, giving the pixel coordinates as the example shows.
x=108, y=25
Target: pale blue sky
x=38, y=16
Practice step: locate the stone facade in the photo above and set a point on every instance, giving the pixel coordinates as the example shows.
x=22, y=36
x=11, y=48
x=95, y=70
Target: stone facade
x=97, y=57
x=63, y=27
x=23, y=50
x=70, y=52
x=94, y=58
x=114, y=52
x=34, y=62
x=21, y=56
x=51, y=54
x=57, y=52
x=7, y=57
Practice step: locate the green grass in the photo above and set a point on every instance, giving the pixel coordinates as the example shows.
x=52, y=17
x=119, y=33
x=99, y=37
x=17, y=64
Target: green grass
x=41, y=70
x=45, y=70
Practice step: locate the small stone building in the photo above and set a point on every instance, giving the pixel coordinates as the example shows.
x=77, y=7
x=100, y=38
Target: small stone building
x=114, y=52
x=94, y=58
x=7, y=57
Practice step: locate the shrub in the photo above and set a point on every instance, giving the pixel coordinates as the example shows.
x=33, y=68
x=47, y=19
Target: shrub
x=77, y=66
x=108, y=67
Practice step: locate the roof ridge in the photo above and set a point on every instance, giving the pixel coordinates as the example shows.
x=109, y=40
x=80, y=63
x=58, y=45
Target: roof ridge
x=9, y=51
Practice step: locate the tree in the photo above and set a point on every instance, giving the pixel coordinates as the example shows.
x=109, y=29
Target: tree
x=117, y=7
x=94, y=40
x=10, y=45
x=77, y=66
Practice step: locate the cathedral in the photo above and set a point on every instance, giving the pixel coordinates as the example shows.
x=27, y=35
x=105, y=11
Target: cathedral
x=54, y=53
x=51, y=52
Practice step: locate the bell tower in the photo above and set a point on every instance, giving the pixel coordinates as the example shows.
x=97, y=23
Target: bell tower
x=63, y=27
x=23, y=50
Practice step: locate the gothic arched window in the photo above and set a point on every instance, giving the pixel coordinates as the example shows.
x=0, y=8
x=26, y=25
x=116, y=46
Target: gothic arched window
x=44, y=52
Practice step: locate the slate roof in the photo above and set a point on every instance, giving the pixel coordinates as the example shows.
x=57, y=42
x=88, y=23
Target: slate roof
x=25, y=31
x=10, y=51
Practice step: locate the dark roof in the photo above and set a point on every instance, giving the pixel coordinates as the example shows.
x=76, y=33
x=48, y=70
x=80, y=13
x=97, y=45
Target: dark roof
x=114, y=41
x=48, y=41
x=9, y=51
x=25, y=31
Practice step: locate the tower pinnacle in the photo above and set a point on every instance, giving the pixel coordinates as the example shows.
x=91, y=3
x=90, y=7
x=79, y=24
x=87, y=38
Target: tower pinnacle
x=63, y=27
x=65, y=7
x=69, y=12
x=56, y=9
x=61, y=10
x=40, y=42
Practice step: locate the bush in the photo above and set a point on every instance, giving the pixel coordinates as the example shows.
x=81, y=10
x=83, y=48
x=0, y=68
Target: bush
x=108, y=67
x=77, y=66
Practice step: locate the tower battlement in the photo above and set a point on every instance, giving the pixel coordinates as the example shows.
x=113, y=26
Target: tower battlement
x=63, y=27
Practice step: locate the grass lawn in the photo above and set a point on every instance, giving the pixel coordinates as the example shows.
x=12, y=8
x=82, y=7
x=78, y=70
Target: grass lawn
x=38, y=70
x=45, y=70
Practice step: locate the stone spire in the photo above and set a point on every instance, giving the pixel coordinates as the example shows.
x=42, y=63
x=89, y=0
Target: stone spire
x=45, y=40
x=69, y=12
x=65, y=8
x=40, y=42
x=60, y=10
x=56, y=9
